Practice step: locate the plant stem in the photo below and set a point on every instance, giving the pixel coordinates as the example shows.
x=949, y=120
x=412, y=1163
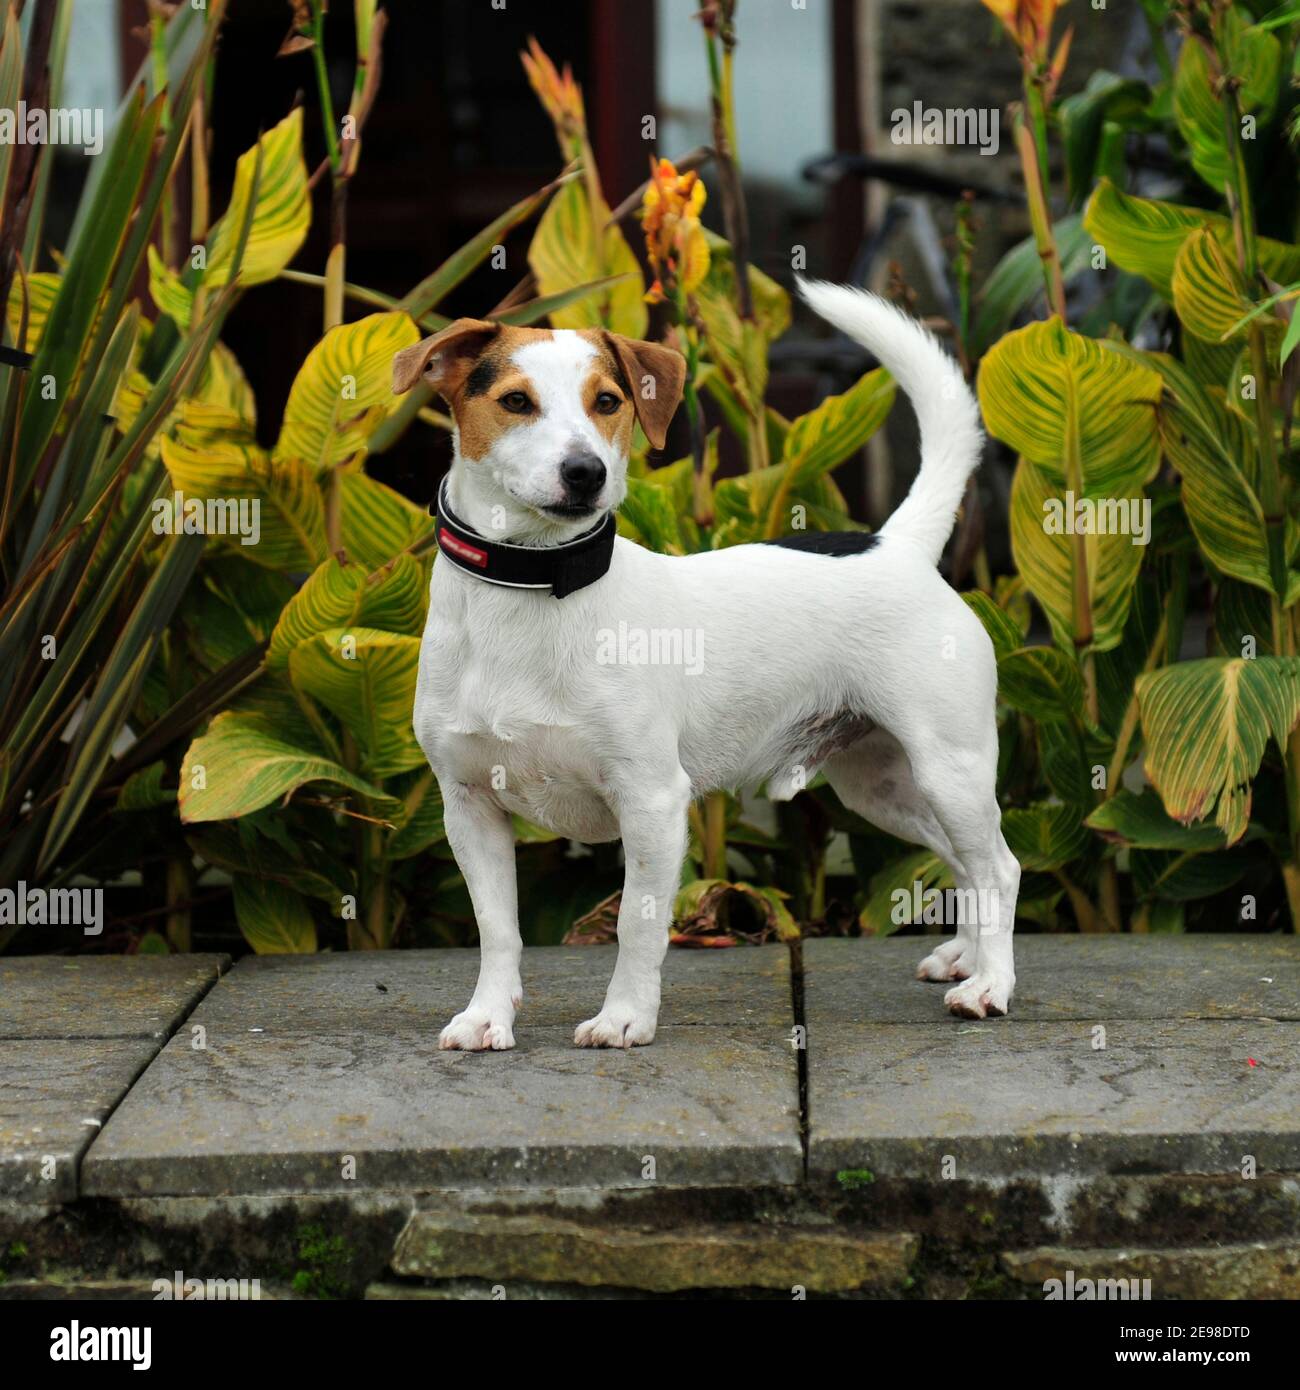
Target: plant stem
x=715, y=835
x=1040, y=218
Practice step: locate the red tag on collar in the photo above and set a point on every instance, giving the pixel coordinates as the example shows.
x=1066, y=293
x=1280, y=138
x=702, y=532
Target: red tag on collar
x=460, y=550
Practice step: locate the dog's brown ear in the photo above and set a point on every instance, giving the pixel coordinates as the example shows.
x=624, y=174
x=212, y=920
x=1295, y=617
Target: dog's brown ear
x=655, y=375
x=445, y=358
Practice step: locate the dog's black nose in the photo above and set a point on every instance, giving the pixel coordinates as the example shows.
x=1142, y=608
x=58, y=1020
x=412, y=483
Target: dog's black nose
x=583, y=474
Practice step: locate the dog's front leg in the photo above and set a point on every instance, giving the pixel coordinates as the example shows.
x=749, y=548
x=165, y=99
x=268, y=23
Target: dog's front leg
x=652, y=822
x=482, y=839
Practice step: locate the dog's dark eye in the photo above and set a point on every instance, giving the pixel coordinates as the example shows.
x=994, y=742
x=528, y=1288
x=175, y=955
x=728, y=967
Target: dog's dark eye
x=607, y=403
x=516, y=402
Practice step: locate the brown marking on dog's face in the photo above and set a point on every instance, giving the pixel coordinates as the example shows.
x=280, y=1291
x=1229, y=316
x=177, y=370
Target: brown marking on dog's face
x=655, y=375
x=607, y=393
x=495, y=396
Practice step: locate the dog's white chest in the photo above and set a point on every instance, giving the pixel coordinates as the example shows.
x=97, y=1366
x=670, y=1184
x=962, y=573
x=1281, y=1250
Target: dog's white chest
x=505, y=715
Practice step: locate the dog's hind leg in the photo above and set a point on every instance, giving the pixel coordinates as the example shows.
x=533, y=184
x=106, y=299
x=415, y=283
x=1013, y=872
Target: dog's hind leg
x=960, y=786
x=874, y=779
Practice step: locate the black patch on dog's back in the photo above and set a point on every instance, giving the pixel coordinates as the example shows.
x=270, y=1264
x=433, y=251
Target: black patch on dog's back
x=479, y=382
x=832, y=543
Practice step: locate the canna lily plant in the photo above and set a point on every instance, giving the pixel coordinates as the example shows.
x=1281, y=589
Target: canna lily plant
x=1196, y=439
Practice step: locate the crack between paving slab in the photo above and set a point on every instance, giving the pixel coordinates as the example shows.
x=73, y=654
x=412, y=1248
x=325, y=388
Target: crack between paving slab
x=163, y=1040
x=800, y=1053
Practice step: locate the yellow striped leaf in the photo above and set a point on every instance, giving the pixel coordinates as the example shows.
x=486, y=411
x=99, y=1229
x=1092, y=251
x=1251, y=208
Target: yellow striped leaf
x=274, y=919
x=378, y=522
x=1206, y=725
x=1220, y=503
x=338, y=595
x=1042, y=382
x=42, y=290
x=291, y=512
x=366, y=678
x=168, y=292
x=280, y=218
x=1144, y=236
x=1209, y=294
x=1046, y=560
x=343, y=391
x=242, y=768
x=565, y=253
x=839, y=426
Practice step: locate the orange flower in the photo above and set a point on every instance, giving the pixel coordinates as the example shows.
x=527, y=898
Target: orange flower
x=1029, y=22
x=674, y=239
x=560, y=95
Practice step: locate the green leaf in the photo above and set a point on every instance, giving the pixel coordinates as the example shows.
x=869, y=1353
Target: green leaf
x=421, y=823
x=1045, y=836
x=648, y=515
x=1069, y=755
x=1254, y=61
x=143, y=790
x=1140, y=820
x=367, y=678
x=1206, y=725
x=892, y=894
x=274, y=919
x=245, y=768
x=998, y=623
x=1107, y=96
x=1042, y=682
x=72, y=318
x=1017, y=280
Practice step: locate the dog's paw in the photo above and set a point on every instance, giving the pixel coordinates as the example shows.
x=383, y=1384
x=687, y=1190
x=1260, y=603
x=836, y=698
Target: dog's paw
x=984, y=995
x=951, y=961
x=479, y=1030
x=617, y=1025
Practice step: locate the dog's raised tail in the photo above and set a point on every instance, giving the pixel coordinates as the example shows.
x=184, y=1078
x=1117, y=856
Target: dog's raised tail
x=946, y=410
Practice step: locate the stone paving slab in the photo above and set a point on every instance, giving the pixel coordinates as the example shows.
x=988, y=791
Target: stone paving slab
x=101, y=996
x=54, y=1096
x=262, y=1113
x=1007, y=1098
x=75, y=1032
x=385, y=991
x=1066, y=977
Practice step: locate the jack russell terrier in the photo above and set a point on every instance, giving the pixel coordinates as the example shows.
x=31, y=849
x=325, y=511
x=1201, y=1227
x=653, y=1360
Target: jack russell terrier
x=844, y=654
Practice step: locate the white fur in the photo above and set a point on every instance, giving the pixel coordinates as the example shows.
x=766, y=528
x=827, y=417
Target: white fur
x=500, y=494
x=518, y=712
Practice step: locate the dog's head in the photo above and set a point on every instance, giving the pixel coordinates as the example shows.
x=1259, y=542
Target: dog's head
x=544, y=417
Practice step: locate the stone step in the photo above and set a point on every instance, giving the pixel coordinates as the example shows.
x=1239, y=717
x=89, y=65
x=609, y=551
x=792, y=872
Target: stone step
x=540, y=1249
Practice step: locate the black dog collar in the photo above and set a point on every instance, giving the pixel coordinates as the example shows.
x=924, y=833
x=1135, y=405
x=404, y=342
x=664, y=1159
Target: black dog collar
x=560, y=568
